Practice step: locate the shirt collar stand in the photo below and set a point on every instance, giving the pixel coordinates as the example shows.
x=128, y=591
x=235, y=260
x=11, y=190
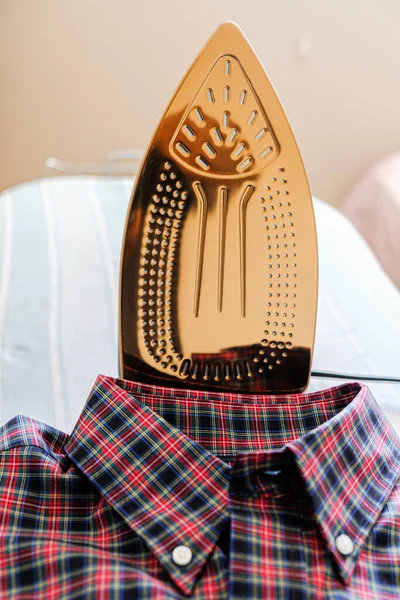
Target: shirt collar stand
x=156, y=455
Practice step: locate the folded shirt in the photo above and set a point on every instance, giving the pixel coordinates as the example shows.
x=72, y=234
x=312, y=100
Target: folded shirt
x=169, y=493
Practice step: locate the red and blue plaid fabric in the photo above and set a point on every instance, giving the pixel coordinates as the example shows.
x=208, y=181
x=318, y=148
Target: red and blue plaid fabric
x=258, y=488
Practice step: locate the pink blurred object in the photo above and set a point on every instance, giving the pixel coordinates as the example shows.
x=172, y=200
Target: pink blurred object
x=374, y=208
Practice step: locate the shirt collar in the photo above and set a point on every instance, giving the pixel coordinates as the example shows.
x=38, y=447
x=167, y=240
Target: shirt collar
x=349, y=465
x=166, y=487
x=156, y=455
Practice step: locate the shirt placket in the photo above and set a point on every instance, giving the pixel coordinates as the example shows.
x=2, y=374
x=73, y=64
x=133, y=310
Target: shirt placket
x=263, y=559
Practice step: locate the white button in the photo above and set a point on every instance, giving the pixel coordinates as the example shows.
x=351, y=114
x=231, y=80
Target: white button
x=182, y=555
x=344, y=544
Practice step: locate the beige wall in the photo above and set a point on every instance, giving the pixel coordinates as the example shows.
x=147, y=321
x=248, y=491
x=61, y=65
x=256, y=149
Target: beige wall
x=82, y=77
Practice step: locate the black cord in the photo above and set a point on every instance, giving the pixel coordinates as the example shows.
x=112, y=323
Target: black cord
x=350, y=376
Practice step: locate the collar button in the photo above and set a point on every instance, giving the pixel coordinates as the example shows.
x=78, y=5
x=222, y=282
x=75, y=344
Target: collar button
x=344, y=544
x=182, y=555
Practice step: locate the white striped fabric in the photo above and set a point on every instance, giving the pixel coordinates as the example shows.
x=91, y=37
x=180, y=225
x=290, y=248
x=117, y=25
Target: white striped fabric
x=60, y=241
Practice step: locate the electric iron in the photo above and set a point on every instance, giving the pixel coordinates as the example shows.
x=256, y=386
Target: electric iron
x=218, y=277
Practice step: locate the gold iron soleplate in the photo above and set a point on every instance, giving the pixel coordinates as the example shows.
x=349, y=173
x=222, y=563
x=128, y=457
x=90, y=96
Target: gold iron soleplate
x=218, y=280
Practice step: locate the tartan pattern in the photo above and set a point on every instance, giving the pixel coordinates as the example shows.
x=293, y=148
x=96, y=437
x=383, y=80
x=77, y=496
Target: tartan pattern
x=259, y=488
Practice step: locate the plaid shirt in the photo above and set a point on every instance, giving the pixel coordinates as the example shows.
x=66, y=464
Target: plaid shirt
x=258, y=488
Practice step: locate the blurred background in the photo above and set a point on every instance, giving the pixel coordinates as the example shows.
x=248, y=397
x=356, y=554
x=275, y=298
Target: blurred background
x=83, y=78
x=82, y=86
